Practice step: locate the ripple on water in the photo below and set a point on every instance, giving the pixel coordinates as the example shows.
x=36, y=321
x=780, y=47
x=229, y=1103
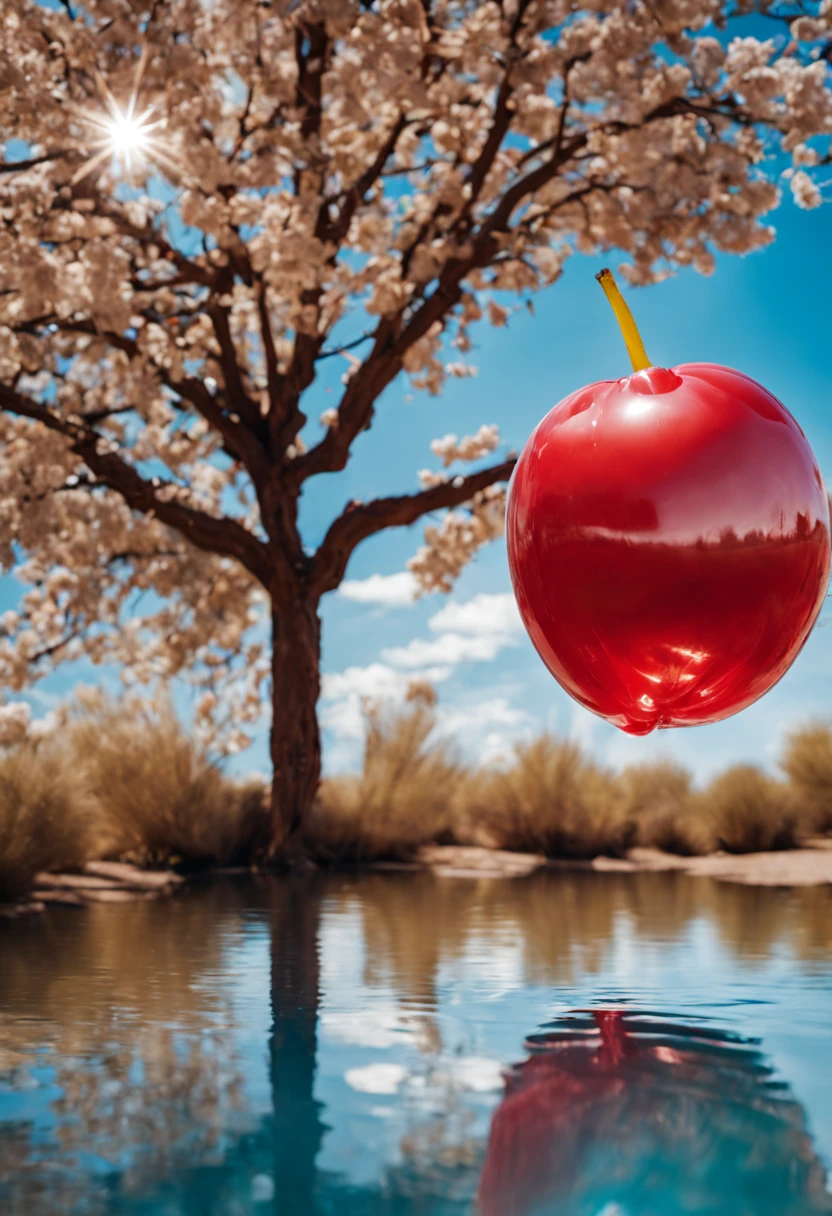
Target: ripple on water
x=392, y=1044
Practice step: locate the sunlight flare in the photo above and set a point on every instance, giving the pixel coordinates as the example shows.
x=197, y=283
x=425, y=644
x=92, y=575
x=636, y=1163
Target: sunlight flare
x=122, y=134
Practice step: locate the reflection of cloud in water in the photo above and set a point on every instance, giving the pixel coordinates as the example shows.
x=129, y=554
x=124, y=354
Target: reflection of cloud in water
x=624, y=1113
x=381, y=1028
x=463, y=1074
x=377, y=1078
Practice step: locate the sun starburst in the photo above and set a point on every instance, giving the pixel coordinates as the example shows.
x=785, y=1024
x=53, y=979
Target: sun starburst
x=124, y=134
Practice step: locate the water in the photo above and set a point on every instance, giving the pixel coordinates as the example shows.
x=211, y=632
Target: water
x=398, y=1044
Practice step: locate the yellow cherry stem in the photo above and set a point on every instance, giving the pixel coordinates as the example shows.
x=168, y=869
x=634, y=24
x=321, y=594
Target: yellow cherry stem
x=629, y=329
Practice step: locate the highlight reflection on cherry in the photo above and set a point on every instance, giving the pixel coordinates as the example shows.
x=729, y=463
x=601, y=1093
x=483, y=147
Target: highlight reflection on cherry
x=625, y=1113
x=668, y=540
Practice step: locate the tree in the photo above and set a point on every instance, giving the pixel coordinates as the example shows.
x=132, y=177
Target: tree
x=201, y=200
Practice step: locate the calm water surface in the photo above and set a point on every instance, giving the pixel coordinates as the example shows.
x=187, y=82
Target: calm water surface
x=398, y=1044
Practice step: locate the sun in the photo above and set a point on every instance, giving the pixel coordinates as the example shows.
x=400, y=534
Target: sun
x=128, y=135
x=131, y=138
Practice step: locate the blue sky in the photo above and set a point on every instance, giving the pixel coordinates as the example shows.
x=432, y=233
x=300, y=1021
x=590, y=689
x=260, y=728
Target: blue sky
x=767, y=314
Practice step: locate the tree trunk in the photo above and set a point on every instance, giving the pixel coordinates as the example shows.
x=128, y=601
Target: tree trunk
x=295, y=736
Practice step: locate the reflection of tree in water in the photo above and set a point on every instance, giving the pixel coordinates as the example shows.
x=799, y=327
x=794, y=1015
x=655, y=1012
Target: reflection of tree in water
x=108, y=1011
x=560, y=925
x=297, y=1129
x=623, y=1113
x=124, y=1003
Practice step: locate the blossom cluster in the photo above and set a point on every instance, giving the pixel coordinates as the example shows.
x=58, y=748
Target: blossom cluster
x=471, y=447
x=451, y=545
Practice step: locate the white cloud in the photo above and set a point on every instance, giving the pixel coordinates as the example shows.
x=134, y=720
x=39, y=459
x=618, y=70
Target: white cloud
x=369, y=681
x=389, y=590
x=471, y=632
x=488, y=728
x=482, y=616
x=495, y=711
x=449, y=649
x=497, y=750
x=343, y=694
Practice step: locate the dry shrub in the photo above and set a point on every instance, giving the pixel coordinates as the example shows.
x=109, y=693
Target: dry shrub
x=750, y=812
x=658, y=800
x=48, y=819
x=807, y=762
x=400, y=801
x=552, y=800
x=162, y=797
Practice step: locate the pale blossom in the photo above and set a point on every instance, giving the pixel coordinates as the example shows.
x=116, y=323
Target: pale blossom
x=805, y=191
x=471, y=447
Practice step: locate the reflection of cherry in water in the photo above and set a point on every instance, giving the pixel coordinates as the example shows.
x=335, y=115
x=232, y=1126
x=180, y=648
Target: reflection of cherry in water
x=668, y=540
x=619, y=1113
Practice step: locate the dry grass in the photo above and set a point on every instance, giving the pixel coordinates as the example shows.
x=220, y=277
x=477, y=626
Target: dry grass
x=401, y=800
x=48, y=821
x=807, y=762
x=120, y=778
x=161, y=796
x=551, y=800
x=658, y=799
x=749, y=812
x=123, y=778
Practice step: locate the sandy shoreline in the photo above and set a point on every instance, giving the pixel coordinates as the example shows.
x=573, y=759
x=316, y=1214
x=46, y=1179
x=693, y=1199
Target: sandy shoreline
x=115, y=882
x=805, y=867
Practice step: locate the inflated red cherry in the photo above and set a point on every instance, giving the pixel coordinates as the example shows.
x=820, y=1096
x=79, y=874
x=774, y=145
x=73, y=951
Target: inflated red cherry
x=668, y=541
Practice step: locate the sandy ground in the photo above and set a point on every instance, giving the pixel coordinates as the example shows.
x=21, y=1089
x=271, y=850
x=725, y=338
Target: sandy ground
x=807, y=867
x=99, y=882
x=113, y=882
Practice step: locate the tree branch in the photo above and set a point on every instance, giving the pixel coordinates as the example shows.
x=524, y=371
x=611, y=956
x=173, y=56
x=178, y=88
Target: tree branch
x=356, y=523
x=240, y=441
x=222, y=536
x=340, y=350
x=244, y=405
x=274, y=379
x=205, y=275
x=288, y=418
x=20, y=166
x=392, y=340
x=311, y=48
x=48, y=651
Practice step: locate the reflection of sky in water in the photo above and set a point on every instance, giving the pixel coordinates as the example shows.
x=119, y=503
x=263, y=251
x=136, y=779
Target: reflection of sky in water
x=427, y=990
x=765, y=994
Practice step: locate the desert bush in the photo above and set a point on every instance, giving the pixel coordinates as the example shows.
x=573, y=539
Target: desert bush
x=552, y=800
x=807, y=762
x=400, y=801
x=658, y=800
x=160, y=794
x=49, y=820
x=123, y=778
x=750, y=812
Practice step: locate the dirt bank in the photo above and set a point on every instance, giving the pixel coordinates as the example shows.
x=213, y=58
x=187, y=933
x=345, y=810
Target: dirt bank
x=113, y=882
x=806, y=867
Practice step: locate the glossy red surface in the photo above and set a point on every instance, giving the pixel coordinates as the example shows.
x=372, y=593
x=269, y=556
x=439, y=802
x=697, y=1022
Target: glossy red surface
x=668, y=540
